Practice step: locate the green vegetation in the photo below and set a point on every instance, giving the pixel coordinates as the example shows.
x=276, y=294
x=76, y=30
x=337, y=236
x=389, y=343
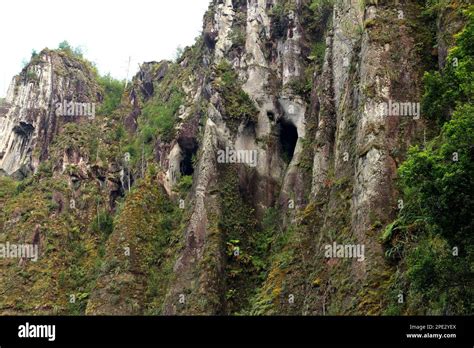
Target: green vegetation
x=253, y=260
x=69, y=256
x=178, y=55
x=238, y=226
x=113, y=91
x=238, y=107
x=432, y=237
x=32, y=76
x=316, y=14
x=434, y=229
x=68, y=51
x=149, y=225
x=301, y=85
x=185, y=183
x=279, y=18
x=103, y=224
x=455, y=84
x=73, y=51
x=238, y=36
x=317, y=53
x=440, y=177
x=7, y=187
x=161, y=116
x=436, y=6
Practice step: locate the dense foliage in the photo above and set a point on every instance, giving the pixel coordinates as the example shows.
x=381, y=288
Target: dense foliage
x=113, y=90
x=455, y=84
x=432, y=238
x=238, y=106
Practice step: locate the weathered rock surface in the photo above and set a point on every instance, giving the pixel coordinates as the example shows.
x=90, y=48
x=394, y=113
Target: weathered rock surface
x=302, y=89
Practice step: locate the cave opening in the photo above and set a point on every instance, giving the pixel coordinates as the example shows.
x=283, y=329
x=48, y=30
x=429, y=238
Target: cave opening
x=288, y=136
x=189, y=150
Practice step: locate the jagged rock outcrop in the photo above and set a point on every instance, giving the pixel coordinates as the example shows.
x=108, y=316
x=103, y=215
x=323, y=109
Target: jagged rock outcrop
x=29, y=119
x=300, y=90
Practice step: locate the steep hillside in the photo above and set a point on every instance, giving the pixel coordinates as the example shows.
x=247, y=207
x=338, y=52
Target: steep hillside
x=224, y=182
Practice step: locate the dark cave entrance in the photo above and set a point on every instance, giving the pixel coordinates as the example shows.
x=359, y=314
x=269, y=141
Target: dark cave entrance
x=189, y=150
x=288, y=136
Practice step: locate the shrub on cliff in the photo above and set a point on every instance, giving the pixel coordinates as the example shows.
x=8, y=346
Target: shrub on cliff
x=432, y=236
x=454, y=85
x=239, y=107
x=113, y=90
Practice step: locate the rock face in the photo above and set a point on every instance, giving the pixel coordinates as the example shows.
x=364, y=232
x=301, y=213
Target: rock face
x=351, y=137
x=28, y=118
x=267, y=141
x=274, y=107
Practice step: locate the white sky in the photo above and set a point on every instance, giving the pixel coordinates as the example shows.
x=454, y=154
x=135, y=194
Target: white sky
x=108, y=31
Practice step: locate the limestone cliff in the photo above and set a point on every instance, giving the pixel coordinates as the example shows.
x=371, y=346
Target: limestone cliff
x=300, y=87
x=29, y=119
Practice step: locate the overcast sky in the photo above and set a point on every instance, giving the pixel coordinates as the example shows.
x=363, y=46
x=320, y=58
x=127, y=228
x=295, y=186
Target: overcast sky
x=108, y=31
